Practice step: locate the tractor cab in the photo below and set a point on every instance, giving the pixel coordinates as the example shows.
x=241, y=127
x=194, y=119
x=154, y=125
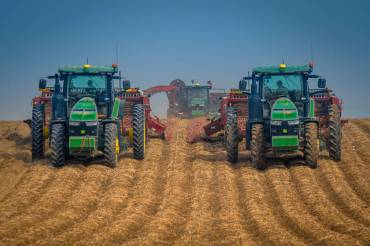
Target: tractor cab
x=87, y=86
x=274, y=87
x=281, y=93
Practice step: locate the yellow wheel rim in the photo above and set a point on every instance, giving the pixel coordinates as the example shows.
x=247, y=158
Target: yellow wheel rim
x=117, y=149
x=131, y=134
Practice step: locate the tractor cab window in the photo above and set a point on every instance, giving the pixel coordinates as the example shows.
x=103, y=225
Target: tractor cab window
x=197, y=93
x=275, y=86
x=87, y=84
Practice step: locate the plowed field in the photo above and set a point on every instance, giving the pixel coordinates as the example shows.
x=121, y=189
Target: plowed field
x=184, y=194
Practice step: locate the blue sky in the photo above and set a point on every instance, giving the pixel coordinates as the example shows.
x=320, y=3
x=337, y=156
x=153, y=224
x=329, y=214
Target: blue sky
x=203, y=40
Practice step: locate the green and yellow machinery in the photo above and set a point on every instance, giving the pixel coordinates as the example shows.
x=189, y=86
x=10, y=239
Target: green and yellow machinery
x=285, y=117
x=84, y=114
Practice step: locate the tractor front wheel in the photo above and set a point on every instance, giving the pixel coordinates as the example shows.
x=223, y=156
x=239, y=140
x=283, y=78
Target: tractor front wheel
x=57, y=145
x=335, y=134
x=311, y=148
x=257, y=147
x=37, y=129
x=111, y=145
x=231, y=136
x=139, y=131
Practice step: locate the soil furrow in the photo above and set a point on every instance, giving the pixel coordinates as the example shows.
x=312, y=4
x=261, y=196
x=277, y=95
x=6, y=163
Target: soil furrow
x=66, y=182
x=81, y=204
x=186, y=194
x=170, y=221
x=363, y=124
x=112, y=203
x=259, y=212
x=293, y=209
x=319, y=206
x=358, y=143
x=27, y=193
x=231, y=219
x=13, y=176
x=143, y=206
x=354, y=167
x=200, y=219
x=339, y=192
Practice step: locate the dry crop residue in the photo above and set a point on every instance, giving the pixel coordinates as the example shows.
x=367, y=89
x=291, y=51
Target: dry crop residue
x=184, y=194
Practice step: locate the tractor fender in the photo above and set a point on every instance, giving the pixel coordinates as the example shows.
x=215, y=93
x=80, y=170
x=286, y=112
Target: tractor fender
x=306, y=120
x=58, y=121
x=106, y=121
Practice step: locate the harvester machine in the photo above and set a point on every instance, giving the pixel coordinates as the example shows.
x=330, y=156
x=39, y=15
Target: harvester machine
x=188, y=101
x=83, y=115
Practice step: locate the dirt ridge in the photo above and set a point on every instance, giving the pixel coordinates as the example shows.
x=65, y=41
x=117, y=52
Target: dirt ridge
x=184, y=194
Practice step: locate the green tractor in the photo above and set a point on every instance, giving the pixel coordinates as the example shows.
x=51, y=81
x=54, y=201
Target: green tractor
x=281, y=115
x=197, y=100
x=83, y=115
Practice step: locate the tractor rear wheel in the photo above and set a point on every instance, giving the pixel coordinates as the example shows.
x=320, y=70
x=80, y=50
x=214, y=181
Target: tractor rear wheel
x=139, y=131
x=57, y=145
x=257, y=147
x=335, y=133
x=37, y=129
x=231, y=135
x=111, y=145
x=311, y=148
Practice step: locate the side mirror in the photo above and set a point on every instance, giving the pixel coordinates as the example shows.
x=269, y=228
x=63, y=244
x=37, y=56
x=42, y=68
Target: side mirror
x=242, y=85
x=321, y=83
x=42, y=84
x=126, y=84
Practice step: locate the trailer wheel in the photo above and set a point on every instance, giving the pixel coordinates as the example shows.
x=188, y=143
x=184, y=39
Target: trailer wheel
x=231, y=135
x=111, y=145
x=257, y=147
x=57, y=145
x=37, y=129
x=139, y=131
x=335, y=134
x=311, y=148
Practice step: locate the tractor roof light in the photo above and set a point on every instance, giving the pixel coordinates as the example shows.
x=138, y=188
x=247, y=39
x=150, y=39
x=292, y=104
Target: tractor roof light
x=282, y=66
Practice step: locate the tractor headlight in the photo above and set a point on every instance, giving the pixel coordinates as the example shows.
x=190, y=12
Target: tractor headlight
x=293, y=122
x=276, y=122
x=74, y=123
x=91, y=123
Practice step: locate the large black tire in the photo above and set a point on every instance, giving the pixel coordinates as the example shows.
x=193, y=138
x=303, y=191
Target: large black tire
x=257, y=147
x=139, y=131
x=37, y=132
x=111, y=145
x=57, y=145
x=311, y=148
x=231, y=135
x=335, y=134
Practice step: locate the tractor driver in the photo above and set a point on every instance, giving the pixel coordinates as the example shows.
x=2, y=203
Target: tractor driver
x=90, y=84
x=90, y=87
x=281, y=89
